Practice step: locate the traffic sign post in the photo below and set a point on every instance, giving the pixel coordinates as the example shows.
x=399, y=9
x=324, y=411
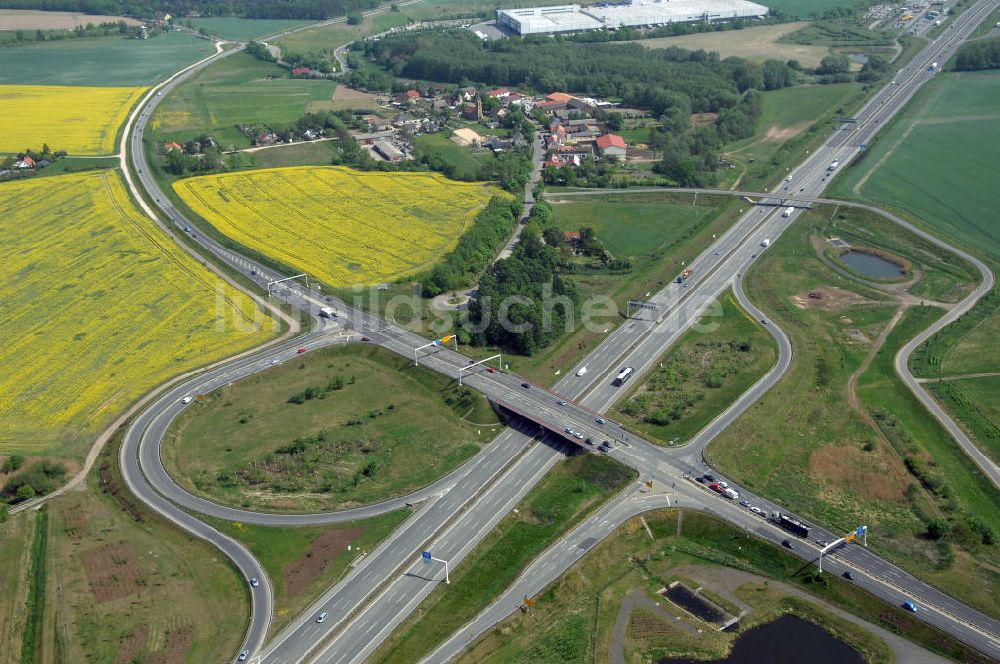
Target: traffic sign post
x=428, y=558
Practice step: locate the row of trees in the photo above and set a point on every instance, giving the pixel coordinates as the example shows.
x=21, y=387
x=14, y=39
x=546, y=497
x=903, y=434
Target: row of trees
x=286, y=9
x=118, y=28
x=979, y=55
x=657, y=79
x=476, y=248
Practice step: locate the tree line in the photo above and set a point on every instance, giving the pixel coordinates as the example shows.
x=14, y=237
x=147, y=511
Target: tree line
x=657, y=79
x=280, y=9
x=979, y=55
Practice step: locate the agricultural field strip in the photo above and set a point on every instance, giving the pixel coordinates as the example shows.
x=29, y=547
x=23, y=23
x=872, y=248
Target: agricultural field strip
x=248, y=208
x=79, y=120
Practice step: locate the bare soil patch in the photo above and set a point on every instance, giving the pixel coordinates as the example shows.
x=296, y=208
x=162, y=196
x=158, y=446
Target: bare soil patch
x=828, y=298
x=311, y=564
x=133, y=645
x=861, y=473
x=703, y=118
x=73, y=521
x=776, y=133
x=30, y=19
x=112, y=571
x=345, y=98
x=176, y=648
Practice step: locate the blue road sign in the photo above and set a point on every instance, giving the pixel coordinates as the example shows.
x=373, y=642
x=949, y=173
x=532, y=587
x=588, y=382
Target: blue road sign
x=861, y=530
x=426, y=555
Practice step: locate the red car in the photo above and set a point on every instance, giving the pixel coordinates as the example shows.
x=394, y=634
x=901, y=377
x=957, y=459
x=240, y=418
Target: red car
x=301, y=350
x=490, y=370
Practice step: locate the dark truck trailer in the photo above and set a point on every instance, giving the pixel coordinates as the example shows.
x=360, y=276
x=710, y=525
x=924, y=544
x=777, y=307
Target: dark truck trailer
x=790, y=524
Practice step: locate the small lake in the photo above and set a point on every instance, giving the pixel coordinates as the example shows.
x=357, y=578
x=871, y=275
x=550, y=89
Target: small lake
x=858, y=58
x=871, y=265
x=789, y=640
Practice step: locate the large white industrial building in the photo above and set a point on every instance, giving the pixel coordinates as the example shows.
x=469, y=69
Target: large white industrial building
x=575, y=18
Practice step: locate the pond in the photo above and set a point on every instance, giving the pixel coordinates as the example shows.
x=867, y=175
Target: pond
x=789, y=640
x=871, y=265
x=857, y=58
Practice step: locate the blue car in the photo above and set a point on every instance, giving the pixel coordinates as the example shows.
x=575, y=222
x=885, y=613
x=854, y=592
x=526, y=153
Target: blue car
x=910, y=606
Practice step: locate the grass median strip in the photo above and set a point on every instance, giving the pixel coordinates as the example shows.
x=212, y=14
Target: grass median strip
x=562, y=499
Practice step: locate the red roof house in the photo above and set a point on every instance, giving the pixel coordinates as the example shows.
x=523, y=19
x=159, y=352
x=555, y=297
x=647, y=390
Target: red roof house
x=301, y=71
x=171, y=146
x=611, y=145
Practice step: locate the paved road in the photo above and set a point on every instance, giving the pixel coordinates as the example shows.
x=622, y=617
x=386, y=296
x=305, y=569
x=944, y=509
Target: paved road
x=739, y=242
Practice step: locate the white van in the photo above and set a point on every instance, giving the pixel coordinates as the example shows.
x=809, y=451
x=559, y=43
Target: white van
x=321, y=617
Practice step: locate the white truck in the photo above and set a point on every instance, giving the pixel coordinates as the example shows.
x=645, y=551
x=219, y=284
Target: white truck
x=730, y=493
x=788, y=212
x=766, y=242
x=327, y=312
x=836, y=162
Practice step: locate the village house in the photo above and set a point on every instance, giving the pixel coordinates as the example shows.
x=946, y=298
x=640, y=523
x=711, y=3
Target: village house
x=388, y=151
x=24, y=161
x=171, y=146
x=611, y=145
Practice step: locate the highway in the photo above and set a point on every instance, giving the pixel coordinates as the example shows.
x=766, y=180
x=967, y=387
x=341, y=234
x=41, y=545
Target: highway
x=449, y=523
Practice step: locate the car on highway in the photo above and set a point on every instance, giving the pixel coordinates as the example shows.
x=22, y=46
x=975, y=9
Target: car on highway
x=561, y=402
x=365, y=339
x=525, y=386
x=187, y=399
x=601, y=420
x=822, y=542
x=243, y=656
x=254, y=582
x=910, y=606
x=582, y=371
x=568, y=430
x=848, y=575
x=745, y=503
x=757, y=510
x=763, y=321
x=300, y=351
x=710, y=477
x=490, y=370
x=274, y=361
x=718, y=252
x=578, y=435
x=788, y=544
x=321, y=617
x=589, y=441
x=724, y=484
x=701, y=479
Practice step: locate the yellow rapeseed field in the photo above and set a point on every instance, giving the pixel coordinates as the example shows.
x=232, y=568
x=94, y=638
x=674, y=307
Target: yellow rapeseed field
x=98, y=307
x=79, y=120
x=343, y=226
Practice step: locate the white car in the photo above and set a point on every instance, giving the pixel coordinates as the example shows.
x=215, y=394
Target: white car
x=187, y=399
x=582, y=371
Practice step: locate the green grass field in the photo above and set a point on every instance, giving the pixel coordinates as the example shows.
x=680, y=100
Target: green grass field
x=834, y=454
x=793, y=121
x=316, y=153
x=108, y=61
x=573, y=620
x=976, y=401
x=302, y=563
x=242, y=29
x=389, y=429
x=238, y=89
x=466, y=163
x=564, y=497
x=704, y=372
x=952, y=124
x=808, y=7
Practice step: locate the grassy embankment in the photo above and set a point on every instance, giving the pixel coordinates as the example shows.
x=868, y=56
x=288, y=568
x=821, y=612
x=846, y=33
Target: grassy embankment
x=375, y=427
x=574, y=619
x=302, y=563
x=846, y=445
x=565, y=496
x=704, y=372
x=951, y=123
